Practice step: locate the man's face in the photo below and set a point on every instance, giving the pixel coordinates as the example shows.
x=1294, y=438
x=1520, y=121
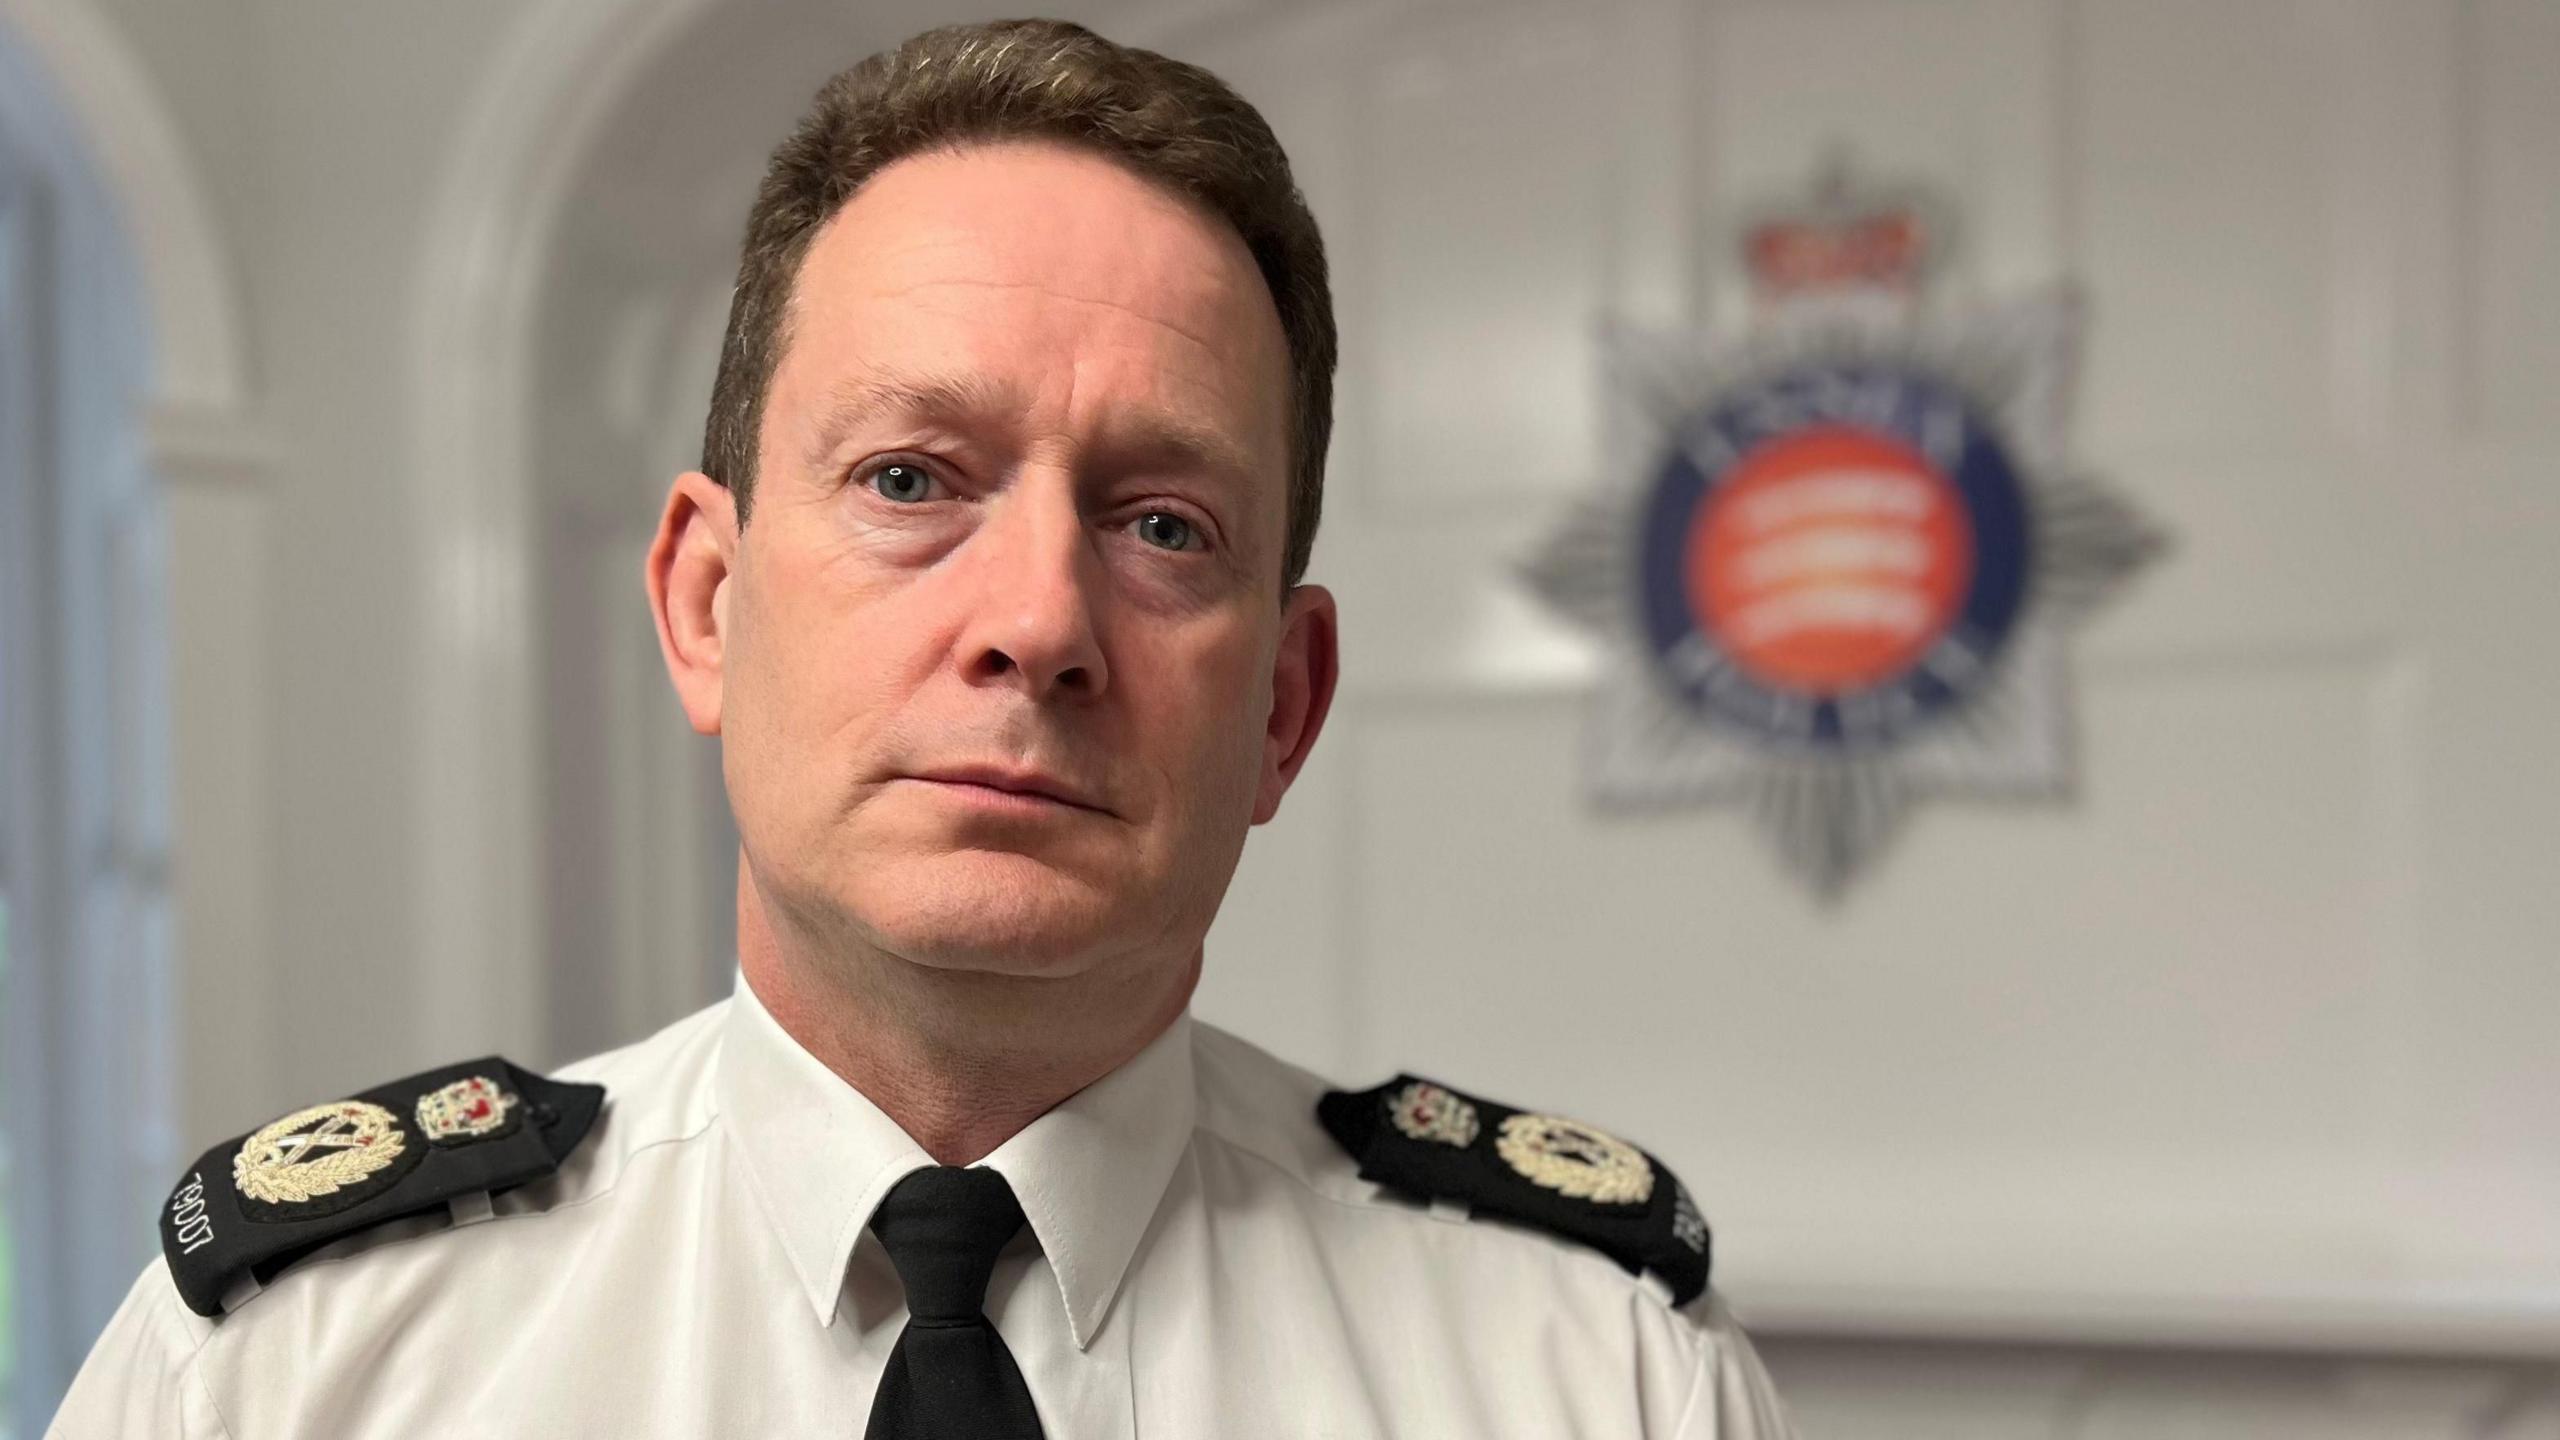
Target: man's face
x=1001, y=641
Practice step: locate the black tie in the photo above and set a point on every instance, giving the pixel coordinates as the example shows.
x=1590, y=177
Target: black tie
x=950, y=1376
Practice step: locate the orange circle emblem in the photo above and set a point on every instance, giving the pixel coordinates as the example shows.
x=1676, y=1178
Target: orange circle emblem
x=1830, y=559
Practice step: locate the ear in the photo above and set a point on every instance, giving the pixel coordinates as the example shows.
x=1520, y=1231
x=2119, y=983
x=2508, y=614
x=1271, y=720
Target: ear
x=1302, y=680
x=689, y=566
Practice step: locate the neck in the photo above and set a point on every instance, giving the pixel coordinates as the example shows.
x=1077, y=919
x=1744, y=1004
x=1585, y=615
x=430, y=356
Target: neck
x=962, y=1060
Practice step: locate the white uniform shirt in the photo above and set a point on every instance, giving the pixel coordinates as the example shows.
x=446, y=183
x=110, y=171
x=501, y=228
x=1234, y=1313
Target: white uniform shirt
x=1202, y=1260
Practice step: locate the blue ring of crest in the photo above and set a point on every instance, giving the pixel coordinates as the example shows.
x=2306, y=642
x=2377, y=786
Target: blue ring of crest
x=1907, y=406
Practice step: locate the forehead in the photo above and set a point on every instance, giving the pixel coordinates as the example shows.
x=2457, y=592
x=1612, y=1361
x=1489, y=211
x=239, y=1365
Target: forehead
x=1041, y=268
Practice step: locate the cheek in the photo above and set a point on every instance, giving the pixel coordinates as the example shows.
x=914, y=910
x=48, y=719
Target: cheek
x=1212, y=697
x=820, y=667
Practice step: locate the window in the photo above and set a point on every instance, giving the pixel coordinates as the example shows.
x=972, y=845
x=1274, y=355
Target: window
x=85, y=920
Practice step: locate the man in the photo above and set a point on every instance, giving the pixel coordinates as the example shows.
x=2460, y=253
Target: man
x=990, y=587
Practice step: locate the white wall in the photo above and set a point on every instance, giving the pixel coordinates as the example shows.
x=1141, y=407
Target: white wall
x=2286, y=954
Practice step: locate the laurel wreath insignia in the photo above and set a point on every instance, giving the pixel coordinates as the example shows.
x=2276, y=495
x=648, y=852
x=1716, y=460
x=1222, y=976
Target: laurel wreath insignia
x=1575, y=1159
x=316, y=1152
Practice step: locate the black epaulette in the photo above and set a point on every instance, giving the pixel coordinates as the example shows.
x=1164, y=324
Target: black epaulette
x=255, y=1204
x=1433, y=1143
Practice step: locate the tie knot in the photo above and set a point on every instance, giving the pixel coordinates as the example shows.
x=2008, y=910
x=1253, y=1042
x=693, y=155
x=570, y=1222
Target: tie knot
x=942, y=1226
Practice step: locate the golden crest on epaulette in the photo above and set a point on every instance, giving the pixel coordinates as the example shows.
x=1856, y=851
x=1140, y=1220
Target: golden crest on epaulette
x=315, y=1152
x=1575, y=1159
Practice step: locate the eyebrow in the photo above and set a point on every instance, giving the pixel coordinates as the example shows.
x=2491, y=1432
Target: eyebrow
x=958, y=397
x=869, y=397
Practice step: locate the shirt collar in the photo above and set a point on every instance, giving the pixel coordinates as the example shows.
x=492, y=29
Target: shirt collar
x=1089, y=1172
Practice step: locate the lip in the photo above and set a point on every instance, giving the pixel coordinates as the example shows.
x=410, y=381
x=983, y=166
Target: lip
x=1018, y=786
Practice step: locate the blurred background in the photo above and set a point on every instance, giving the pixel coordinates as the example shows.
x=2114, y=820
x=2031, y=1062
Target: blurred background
x=346, y=350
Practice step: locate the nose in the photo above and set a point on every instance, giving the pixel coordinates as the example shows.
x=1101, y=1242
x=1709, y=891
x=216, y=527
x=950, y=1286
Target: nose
x=1033, y=624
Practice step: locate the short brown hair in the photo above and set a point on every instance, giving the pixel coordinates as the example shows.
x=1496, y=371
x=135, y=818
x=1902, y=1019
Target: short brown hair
x=1169, y=122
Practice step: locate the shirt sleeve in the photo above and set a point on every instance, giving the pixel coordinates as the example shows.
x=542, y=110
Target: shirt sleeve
x=141, y=1378
x=1733, y=1397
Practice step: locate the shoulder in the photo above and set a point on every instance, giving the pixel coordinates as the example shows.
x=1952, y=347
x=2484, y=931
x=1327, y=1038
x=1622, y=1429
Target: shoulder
x=1260, y=1104
x=1533, y=1181
x=1731, y=1396
x=140, y=1378
x=469, y=1192
x=658, y=1092
x=426, y=1154
x=1457, y=1204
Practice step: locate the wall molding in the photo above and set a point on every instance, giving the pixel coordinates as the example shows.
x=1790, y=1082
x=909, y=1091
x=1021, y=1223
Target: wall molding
x=564, y=72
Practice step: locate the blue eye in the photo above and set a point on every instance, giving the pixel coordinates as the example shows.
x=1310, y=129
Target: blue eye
x=1164, y=531
x=902, y=482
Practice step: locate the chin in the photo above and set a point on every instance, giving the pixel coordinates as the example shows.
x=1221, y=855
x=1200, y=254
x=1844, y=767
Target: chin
x=989, y=910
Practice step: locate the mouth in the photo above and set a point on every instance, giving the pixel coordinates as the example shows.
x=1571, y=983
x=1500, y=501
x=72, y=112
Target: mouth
x=1028, y=791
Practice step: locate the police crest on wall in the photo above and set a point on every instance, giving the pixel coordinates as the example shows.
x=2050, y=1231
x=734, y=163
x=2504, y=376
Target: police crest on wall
x=1837, y=552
